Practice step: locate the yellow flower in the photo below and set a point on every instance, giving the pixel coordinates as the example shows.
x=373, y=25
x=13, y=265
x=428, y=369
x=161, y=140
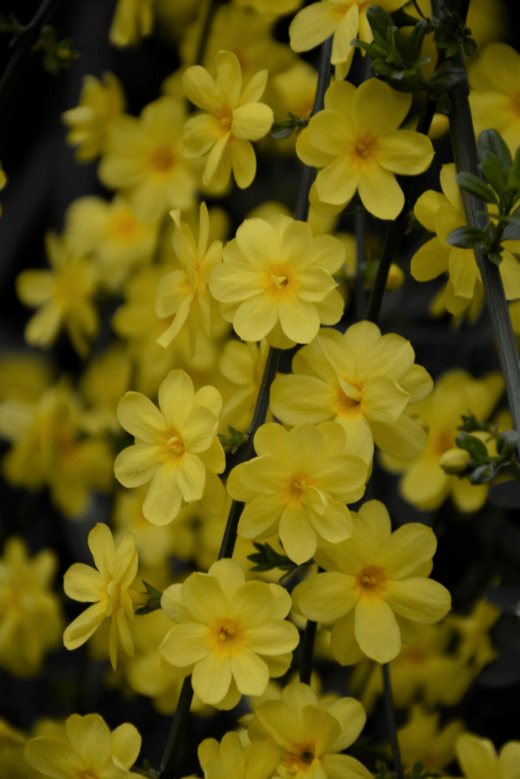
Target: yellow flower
x=132, y=20
x=426, y=484
x=88, y=749
x=107, y=588
x=422, y=739
x=440, y=214
x=479, y=760
x=111, y=233
x=144, y=159
x=63, y=296
x=356, y=141
x=375, y=589
x=30, y=614
x=184, y=294
x=345, y=19
x=298, y=485
x=364, y=381
x=272, y=7
x=99, y=105
x=494, y=78
x=276, y=281
x=242, y=364
x=311, y=735
x=235, y=761
x=234, y=118
x=176, y=447
x=230, y=634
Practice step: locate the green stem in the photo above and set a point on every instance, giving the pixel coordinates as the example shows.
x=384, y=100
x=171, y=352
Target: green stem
x=390, y=721
x=180, y=720
x=307, y=652
x=30, y=33
x=207, y=9
x=465, y=150
x=397, y=229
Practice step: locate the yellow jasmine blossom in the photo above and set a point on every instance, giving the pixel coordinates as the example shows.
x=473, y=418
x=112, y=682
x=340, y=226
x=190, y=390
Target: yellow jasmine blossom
x=230, y=634
x=110, y=232
x=479, y=760
x=87, y=749
x=144, y=159
x=426, y=483
x=272, y=7
x=298, y=485
x=344, y=20
x=422, y=739
x=107, y=588
x=361, y=379
x=356, y=141
x=99, y=104
x=132, y=20
x=184, y=294
x=440, y=214
x=233, y=760
x=276, y=281
x=63, y=296
x=176, y=446
x=234, y=118
x=495, y=92
x=30, y=613
x=312, y=735
x=242, y=364
x=375, y=590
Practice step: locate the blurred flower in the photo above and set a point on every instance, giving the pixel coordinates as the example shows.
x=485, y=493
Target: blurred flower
x=479, y=760
x=423, y=739
x=132, y=20
x=233, y=760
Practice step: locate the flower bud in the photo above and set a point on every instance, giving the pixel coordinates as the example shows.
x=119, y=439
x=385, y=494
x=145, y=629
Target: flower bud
x=454, y=460
x=395, y=278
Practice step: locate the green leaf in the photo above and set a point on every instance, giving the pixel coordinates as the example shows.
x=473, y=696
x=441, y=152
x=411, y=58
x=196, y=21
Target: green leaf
x=379, y=20
x=476, y=448
x=513, y=178
x=469, y=46
x=495, y=257
x=492, y=170
x=477, y=187
x=467, y=237
x=415, y=40
x=482, y=474
x=491, y=142
x=266, y=558
x=443, y=104
x=284, y=132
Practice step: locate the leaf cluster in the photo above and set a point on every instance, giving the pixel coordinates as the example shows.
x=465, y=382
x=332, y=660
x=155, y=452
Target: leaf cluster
x=234, y=440
x=266, y=559
x=154, y=600
x=482, y=467
x=398, y=60
x=285, y=127
x=57, y=55
x=501, y=190
x=10, y=24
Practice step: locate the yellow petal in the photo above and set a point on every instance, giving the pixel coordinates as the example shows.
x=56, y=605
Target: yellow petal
x=252, y=121
x=312, y=25
x=243, y=162
x=83, y=583
x=430, y=260
x=418, y=599
x=376, y=630
x=405, y=152
x=380, y=193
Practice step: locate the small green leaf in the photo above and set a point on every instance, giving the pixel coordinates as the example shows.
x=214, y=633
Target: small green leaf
x=482, y=474
x=469, y=46
x=284, y=132
x=379, y=20
x=495, y=257
x=491, y=142
x=476, y=448
x=477, y=187
x=467, y=237
x=415, y=40
x=443, y=103
x=514, y=171
x=492, y=170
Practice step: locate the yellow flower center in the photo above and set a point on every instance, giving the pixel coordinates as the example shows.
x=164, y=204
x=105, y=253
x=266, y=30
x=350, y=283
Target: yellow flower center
x=363, y=149
x=224, y=116
x=370, y=582
x=162, y=159
x=123, y=227
x=171, y=447
x=280, y=282
x=300, y=759
x=443, y=442
x=112, y=597
x=413, y=655
x=294, y=488
x=71, y=285
x=515, y=103
x=87, y=773
x=347, y=400
x=227, y=637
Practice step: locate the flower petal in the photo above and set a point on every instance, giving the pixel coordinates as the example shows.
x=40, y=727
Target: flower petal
x=418, y=599
x=376, y=630
x=137, y=414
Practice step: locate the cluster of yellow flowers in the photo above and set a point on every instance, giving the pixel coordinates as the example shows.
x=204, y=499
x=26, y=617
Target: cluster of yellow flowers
x=200, y=311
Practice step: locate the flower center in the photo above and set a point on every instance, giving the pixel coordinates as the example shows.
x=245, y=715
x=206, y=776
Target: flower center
x=363, y=148
x=443, y=442
x=515, y=103
x=171, y=447
x=227, y=637
x=162, y=159
x=87, y=773
x=413, y=655
x=300, y=758
x=371, y=582
x=294, y=488
x=280, y=282
x=224, y=116
x=123, y=227
x=347, y=401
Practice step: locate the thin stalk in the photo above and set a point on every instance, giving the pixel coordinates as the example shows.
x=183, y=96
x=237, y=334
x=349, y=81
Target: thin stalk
x=465, y=150
x=390, y=721
x=180, y=718
x=28, y=37
x=397, y=229
x=207, y=10
x=307, y=652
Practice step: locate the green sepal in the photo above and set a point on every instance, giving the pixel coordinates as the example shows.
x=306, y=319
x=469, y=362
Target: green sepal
x=483, y=473
x=266, y=558
x=472, y=445
x=495, y=257
x=154, y=600
x=470, y=47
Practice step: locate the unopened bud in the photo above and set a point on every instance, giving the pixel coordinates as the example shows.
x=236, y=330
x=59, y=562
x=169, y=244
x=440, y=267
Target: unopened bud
x=454, y=460
x=395, y=278
x=439, y=126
